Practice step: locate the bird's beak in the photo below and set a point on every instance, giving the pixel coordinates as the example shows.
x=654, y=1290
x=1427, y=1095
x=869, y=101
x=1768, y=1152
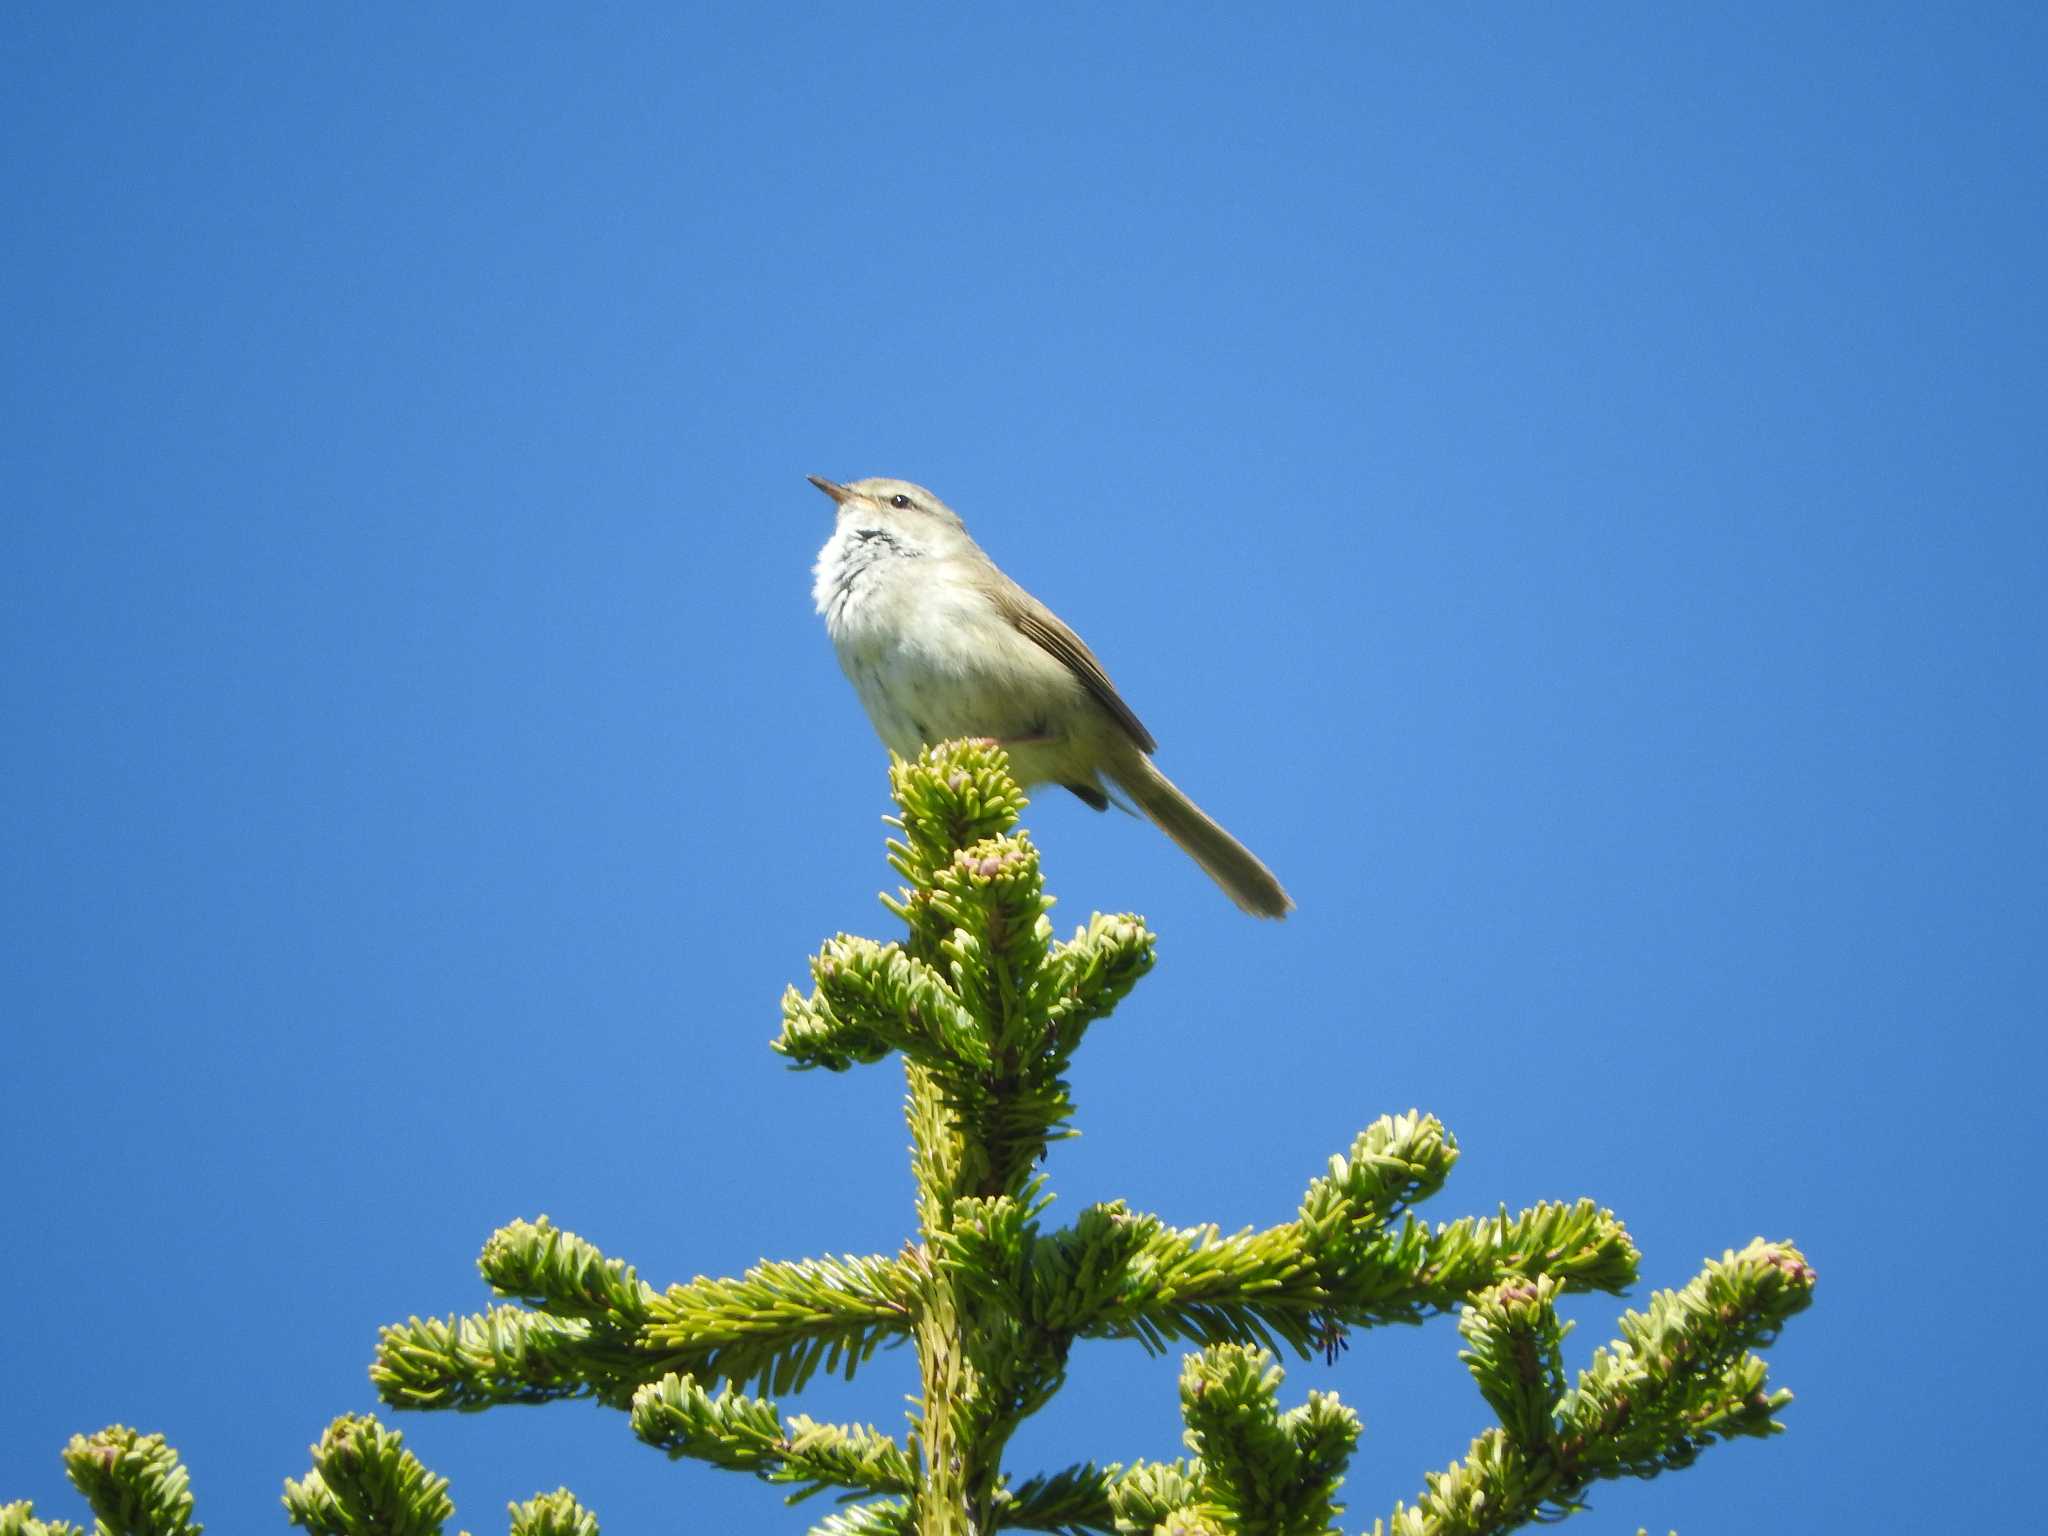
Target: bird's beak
x=838, y=493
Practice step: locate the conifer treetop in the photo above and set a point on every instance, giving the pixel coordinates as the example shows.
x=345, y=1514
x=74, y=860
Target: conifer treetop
x=987, y=1009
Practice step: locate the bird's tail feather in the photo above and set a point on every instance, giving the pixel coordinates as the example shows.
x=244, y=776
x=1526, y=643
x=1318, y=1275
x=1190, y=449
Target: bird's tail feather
x=1223, y=858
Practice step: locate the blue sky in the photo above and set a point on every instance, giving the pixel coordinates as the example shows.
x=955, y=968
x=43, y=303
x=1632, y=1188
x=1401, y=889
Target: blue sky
x=1565, y=486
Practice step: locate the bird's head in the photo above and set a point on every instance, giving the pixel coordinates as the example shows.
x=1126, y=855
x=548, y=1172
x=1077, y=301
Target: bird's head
x=909, y=513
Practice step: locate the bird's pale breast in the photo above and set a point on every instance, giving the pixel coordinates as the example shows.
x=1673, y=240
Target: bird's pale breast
x=931, y=657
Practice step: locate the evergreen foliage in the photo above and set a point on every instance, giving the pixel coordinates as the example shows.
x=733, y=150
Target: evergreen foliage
x=987, y=1009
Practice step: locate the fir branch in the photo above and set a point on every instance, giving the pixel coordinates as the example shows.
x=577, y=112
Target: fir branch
x=1681, y=1376
x=586, y=1344
x=1258, y=1470
x=552, y=1514
x=1116, y=1274
x=364, y=1480
x=997, y=1031
x=1090, y=1498
x=1414, y=1271
x=134, y=1482
x=506, y=1355
x=1087, y=976
x=1193, y=1283
x=746, y=1434
x=870, y=999
x=779, y=1324
x=952, y=796
x=1513, y=1338
x=991, y=900
x=1679, y=1379
x=1393, y=1163
x=1583, y=1244
x=986, y=1010
x=678, y=1416
x=856, y=1456
x=995, y=1251
x=892, y=1517
x=19, y=1519
x=1147, y=1495
x=1324, y=1434
x=780, y=1321
x=1262, y=1473
x=1073, y=1499
x=984, y=922
x=537, y=1262
x=1489, y=1491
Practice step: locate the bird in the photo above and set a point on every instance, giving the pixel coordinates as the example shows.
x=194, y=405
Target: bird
x=940, y=644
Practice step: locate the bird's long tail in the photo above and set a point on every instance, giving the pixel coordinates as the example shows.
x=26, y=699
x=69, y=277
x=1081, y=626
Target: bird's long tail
x=1223, y=858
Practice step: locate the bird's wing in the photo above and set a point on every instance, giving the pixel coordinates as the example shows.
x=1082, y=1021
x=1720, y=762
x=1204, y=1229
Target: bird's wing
x=1042, y=626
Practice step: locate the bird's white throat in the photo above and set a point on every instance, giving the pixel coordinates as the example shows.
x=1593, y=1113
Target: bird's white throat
x=860, y=566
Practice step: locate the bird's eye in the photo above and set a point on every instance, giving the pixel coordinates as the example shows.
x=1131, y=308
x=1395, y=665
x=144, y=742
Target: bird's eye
x=900, y=500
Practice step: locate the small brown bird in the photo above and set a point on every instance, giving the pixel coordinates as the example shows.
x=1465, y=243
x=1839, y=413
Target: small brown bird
x=941, y=644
